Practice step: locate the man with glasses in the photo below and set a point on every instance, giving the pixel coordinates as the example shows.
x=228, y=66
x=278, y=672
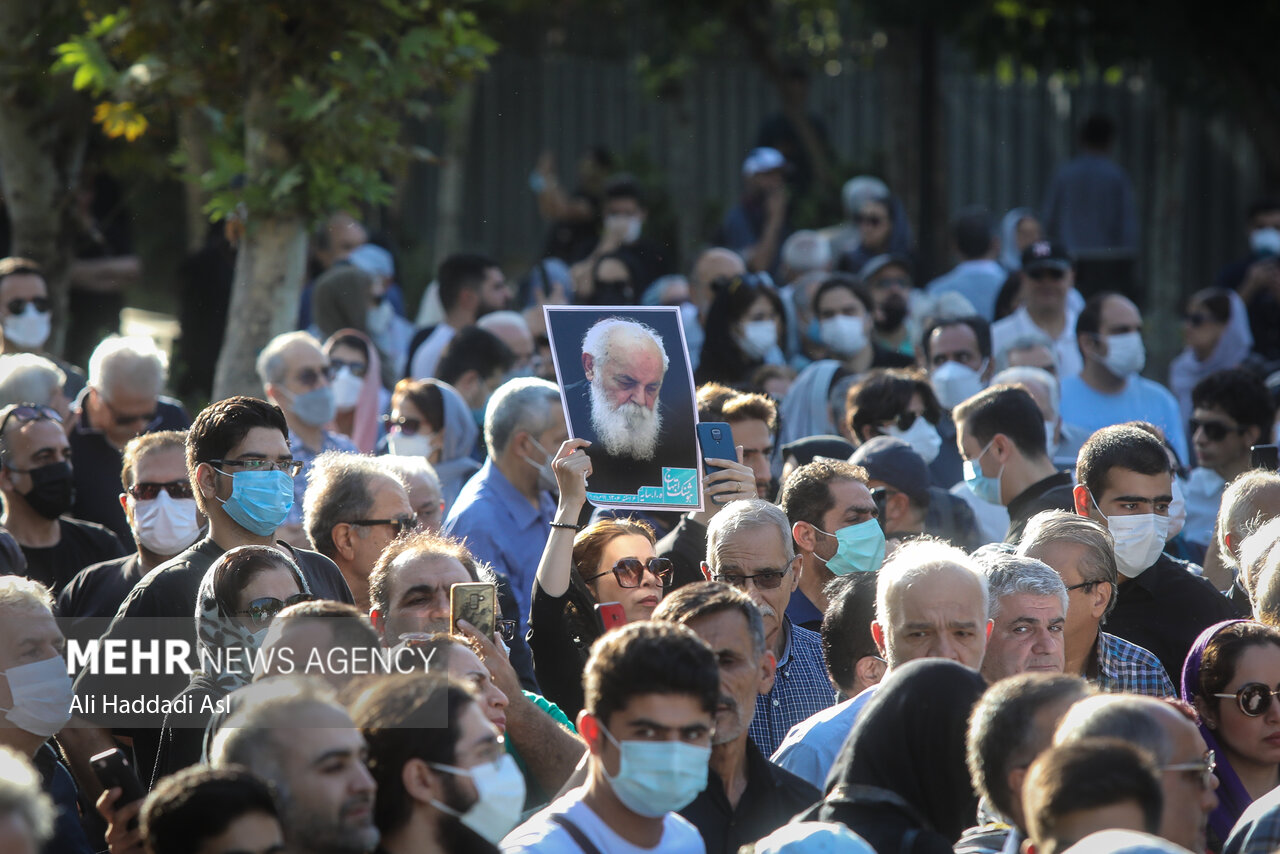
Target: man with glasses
x=26, y=317
x=354, y=508
x=38, y=486
x=163, y=520
x=1081, y=551
x=296, y=375
x=749, y=546
x=241, y=471
x=1047, y=278
x=122, y=400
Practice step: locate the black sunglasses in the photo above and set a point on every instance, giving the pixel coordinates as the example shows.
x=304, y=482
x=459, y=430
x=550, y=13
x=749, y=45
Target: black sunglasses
x=407, y=426
x=262, y=611
x=357, y=369
x=1214, y=431
x=869, y=219
x=18, y=306
x=310, y=377
x=403, y=524
x=147, y=491
x=1253, y=699
x=629, y=571
x=766, y=579
x=149, y=418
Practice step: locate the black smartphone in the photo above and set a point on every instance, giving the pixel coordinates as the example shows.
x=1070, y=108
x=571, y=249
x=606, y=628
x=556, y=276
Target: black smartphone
x=716, y=441
x=1266, y=457
x=114, y=771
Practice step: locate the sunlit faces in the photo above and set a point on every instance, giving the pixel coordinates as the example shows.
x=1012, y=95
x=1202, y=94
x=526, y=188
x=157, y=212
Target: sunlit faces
x=466, y=667
x=647, y=717
x=955, y=342
x=260, y=443
x=1248, y=741
x=1128, y=493
x=121, y=413
x=1026, y=636
x=361, y=545
x=743, y=674
x=637, y=602
x=418, y=595
x=942, y=614
x=27, y=636
x=1085, y=605
x=755, y=551
x=1187, y=803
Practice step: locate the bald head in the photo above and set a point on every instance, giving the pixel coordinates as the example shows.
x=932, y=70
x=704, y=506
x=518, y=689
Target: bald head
x=711, y=265
x=511, y=329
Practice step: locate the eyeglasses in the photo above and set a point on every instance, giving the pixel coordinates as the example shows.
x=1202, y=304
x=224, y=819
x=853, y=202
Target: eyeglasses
x=629, y=571
x=404, y=524
x=1047, y=273
x=25, y=413
x=148, y=491
x=18, y=306
x=1086, y=586
x=262, y=611
x=289, y=467
x=407, y=426
x=507, y=629
x=1214, y=431
x=1204, y=767
x=1253, y=699
x=310, y=377
x=766, y=579
x=357, y=369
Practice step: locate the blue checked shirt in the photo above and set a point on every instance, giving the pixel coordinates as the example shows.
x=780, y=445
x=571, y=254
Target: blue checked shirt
x=1126, y=668
x=1258, y=830
x=800, y=689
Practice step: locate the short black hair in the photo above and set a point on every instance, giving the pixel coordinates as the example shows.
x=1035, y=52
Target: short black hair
x=459, y=272
x=474, y=349
x=850, y=283
x=222, y=425
x=707, y=598
x=846, y=626
x=885, y=393
x=649, y=658
x=623, y=186
x=1098, y=131
x=1006, y=409
x=1090, y=320
x=973, y=232
x=1119, y=446
x=981, y=331
x=198, y=803
x=1240, y=394
x=806, y=495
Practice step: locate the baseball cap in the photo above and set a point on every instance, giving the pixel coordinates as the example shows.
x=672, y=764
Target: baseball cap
x=889, y=459
x=762, y=160
x=1044, y=254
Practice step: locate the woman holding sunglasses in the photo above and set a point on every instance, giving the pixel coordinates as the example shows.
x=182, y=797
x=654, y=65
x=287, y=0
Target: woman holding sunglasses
x=1232, y=677
x=240, y=595
x=611, y=561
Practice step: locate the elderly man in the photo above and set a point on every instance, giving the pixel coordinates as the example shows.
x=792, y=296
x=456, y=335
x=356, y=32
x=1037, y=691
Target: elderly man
x=931, y=602
x=1170, y=735
x=26, y=813
x=354, y=508
x=1252, y=500
x=26, y=317
x=122, y=400
x=749, y=547
x=511, y=329
x=618, y=408
x=1028, y=605
x=425, y=494
x=37, y=483
x=747, y=797
x=1081, y=551
x=504, y=512
x=28, y=378
x=295, y=374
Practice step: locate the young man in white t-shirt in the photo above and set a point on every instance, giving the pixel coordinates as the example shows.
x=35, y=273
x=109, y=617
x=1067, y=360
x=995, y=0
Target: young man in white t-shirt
x=651, y=696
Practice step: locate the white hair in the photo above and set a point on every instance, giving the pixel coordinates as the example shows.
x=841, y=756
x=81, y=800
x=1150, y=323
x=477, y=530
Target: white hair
x=1029, y=341
x=128, y=362
x=519, y=404
x=1008, y=575
x=806, y=251
x=271, y=365
x=28, y=378
x=746, y=514
x=496, y=320
x=1028, y=374
x=915, y=561
x=22, y=792
x=601, y=338
x=1238, y=514
x=25, y=594
x=411, y=468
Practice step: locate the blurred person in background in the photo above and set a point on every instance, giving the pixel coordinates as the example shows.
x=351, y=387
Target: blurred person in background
x=1215, y=328
x=359, y=397
x=429, y=419
x=745, y=327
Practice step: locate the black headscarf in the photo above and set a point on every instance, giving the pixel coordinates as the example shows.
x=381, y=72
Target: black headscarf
x=909, y=739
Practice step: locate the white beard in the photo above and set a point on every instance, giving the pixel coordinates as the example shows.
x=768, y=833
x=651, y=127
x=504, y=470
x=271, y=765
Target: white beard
x=631, y=430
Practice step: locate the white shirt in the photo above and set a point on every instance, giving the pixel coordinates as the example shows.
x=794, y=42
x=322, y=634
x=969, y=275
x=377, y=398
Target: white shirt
x=540, y=834
x=427, y=357
x=1008, y=329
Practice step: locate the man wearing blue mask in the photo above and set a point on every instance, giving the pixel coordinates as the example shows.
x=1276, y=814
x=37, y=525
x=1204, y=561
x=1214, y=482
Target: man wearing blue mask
x=241, y=472
x=296, y=376
x=652, y=691
x=1001, y=436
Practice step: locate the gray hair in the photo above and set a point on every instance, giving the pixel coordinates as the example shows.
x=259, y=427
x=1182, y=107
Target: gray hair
x=915, y=561
x=746, y=514
x=28, y=378
x=1256, y=552
x=339, y=489
x=495, y=320
x=1028, y=374
x=411, y=468
x=265, y=710
x=519, y=404
x=805, y=251
x=1266, y=592
x=1059, y=526
x=25, y=594
x=271, y=365
x=22, y=792
x=1237, y=514
x=1027, y=341
x=1124, y=716
x=602, y=337
x=133, y=362
x=1010, y=575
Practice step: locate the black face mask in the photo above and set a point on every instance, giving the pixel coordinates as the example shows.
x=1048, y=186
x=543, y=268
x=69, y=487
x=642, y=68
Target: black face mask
x=892, y=312
x=53, y=489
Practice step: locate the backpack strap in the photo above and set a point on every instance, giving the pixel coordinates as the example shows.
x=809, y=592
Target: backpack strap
x=575, y=832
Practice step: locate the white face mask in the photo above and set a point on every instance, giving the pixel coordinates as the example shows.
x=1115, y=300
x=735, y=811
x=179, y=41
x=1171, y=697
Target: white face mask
x=1265, y=241
x=1125, y=354
x=29, y=329
x=546, y=476
x=1177, y=510
x=628, y=225
x=42, y=695
x=758, y=338
x=500, y=791
x=843, y=335
x=165, y=525
x=346, y=389
x=377, y=320
x=921, y=436
x=955, y=383
x=1139, y=540
x=417, y=445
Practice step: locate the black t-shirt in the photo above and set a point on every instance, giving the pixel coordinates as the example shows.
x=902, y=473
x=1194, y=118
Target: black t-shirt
x=80, y=544
x=97, y=591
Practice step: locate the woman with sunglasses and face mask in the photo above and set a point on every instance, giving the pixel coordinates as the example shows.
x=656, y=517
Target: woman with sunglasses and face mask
x=430, y=419
x=358, y=395
x=1232, y=677
x=612, y=561
x=1216, y=331
x=239, y=596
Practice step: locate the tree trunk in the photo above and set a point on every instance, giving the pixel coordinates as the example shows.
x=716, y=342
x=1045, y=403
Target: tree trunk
x=681, y=178
x=1165, y=277
x=193, y=140
x=458, y=120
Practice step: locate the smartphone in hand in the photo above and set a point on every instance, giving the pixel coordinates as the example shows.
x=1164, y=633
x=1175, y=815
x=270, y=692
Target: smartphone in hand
x=611, y=615
x=475, y=602
x=716, y=441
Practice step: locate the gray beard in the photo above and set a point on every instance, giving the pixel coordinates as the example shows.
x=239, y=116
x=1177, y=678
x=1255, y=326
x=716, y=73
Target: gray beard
x=628, y=431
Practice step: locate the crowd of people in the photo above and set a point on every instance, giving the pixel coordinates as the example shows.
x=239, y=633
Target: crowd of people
x=973, y=583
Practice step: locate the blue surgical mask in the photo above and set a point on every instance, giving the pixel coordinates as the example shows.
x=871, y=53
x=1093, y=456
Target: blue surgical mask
x=316, y=407
x=260, y=500
x=658, y=777
x=985, y=488
x=860, y=549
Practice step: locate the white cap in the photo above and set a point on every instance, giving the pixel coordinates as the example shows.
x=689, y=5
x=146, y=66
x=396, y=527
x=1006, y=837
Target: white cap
x=762, y=160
